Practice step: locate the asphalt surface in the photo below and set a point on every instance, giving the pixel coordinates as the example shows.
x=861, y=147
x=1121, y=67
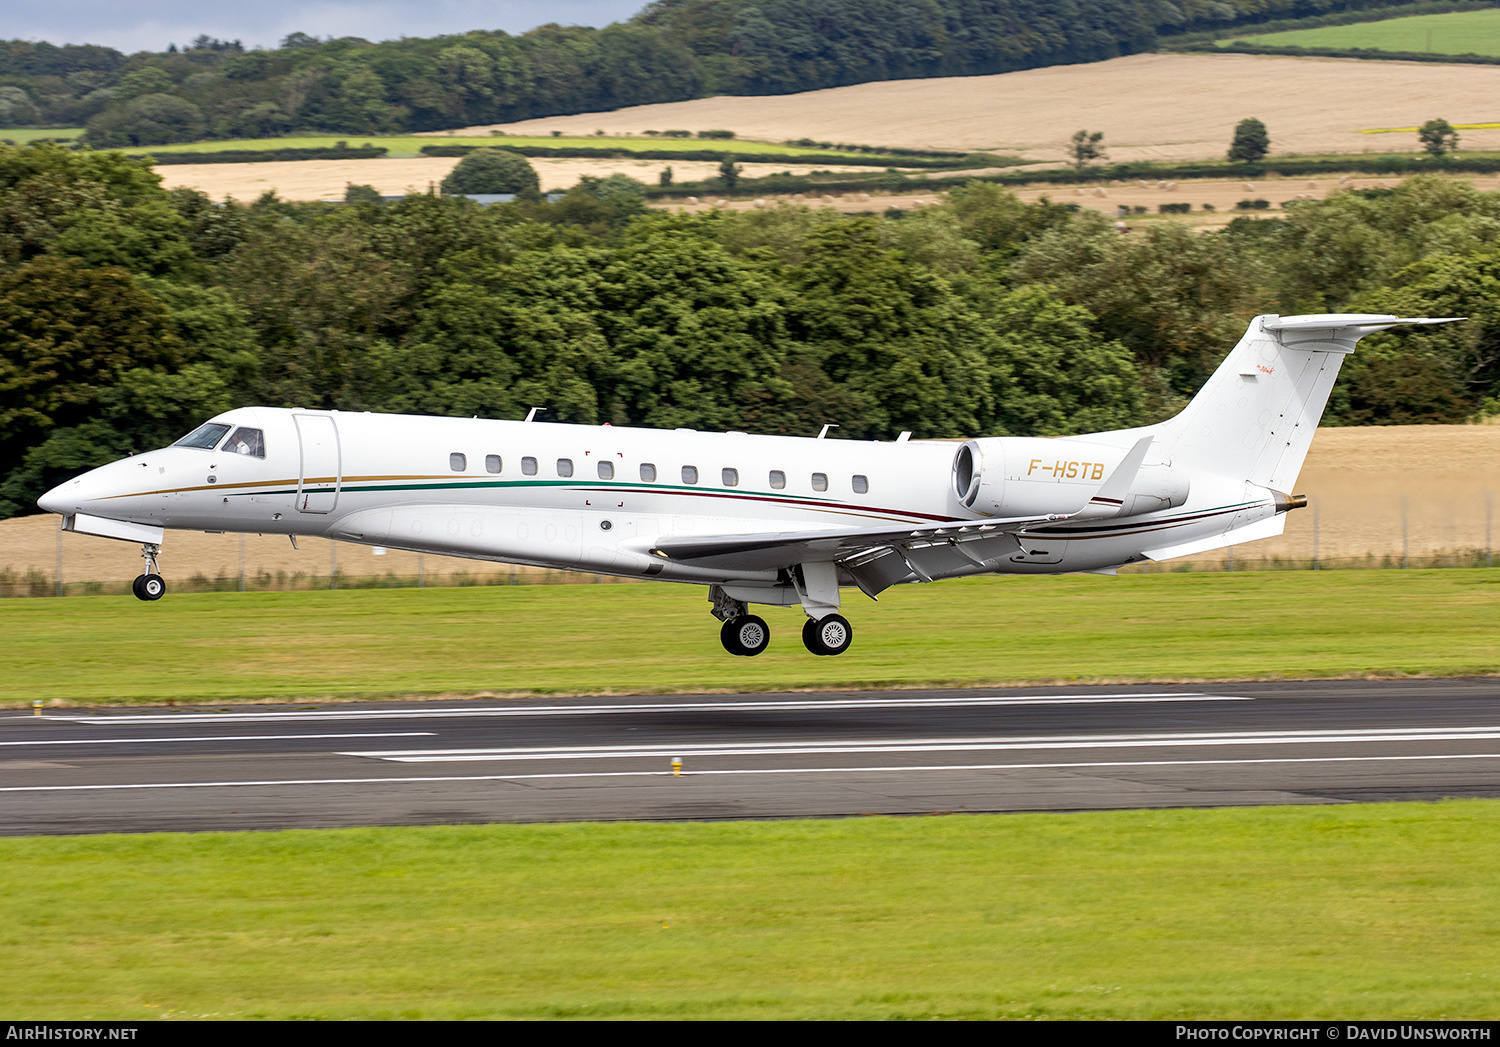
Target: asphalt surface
x=747, y=756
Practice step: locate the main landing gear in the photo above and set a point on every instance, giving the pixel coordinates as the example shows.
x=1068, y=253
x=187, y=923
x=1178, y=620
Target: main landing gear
x=151, y=585
x=747, y=635
x=742, y=633
x=831, y=634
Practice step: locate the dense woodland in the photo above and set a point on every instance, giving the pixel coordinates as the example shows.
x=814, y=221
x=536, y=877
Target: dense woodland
x=672, y=50
x=128, y=314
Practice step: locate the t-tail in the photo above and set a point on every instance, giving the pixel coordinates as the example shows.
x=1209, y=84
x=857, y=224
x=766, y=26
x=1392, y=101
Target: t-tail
x=1255, y=418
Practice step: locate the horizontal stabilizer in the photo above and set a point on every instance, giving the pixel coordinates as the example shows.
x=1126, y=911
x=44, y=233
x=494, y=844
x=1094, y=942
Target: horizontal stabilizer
x=1338, y=332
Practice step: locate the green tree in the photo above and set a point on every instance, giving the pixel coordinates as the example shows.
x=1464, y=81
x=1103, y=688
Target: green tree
x=1251, y=142
x=1438, y=137
x=1051, y=375
x=491, y=171
x=1084, y=148
x=16, y=107
x=154, y=119
x=148, y=80
x=67, y=334
x=907, y=350
x=729, y=173
x=694, y=335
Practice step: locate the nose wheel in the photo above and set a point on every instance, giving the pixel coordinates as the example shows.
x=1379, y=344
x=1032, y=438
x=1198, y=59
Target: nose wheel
x=151, y=585
x=831, y=634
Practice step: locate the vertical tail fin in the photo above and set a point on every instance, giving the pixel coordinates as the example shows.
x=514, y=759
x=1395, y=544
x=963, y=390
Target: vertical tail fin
x=1255, y=418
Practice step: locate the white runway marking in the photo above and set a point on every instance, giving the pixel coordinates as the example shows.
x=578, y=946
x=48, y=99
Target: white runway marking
x=901, y=745
x=744, y=771
x=655, y=707
x=225, y=738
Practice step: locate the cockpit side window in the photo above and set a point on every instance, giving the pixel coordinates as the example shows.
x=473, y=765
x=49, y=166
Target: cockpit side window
x=245, y=441
x=206, y=437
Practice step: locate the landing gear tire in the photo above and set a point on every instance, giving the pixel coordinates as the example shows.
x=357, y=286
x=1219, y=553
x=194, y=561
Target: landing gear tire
x=827, y=636
x=149, y=587
x=747, y=635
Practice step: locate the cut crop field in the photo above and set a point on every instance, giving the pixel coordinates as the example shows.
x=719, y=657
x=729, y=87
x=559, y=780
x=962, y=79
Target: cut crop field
x=304, y=180
x=1149, y=106
x=659, y=638
x=1456, y=33
x=1362, y=911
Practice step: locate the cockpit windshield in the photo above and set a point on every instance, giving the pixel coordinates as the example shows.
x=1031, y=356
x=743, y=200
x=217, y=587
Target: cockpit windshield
x=246, y=441
x=205, y=437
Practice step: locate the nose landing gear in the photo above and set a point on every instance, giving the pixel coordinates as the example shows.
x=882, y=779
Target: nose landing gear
x=151, y=585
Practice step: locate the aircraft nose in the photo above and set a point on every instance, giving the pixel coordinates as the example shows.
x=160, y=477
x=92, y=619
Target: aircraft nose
x=61, y=499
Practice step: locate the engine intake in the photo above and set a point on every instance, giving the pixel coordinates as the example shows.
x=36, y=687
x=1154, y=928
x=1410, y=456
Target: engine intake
x=1012, y=476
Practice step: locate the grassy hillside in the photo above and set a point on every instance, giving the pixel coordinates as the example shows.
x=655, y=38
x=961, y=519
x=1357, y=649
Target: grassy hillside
x=1461, y=32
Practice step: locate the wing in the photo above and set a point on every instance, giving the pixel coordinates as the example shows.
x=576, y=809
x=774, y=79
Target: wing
x=848, y=547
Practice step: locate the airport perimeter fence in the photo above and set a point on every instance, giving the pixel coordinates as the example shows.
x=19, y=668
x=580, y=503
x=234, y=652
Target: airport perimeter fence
x=1395, y=541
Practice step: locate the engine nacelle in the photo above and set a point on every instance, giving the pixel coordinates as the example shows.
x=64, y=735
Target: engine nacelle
x=1008, y=476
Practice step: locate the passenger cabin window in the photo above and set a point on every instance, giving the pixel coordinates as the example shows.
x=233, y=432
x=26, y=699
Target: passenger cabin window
x=820, y=481
x=206, y=437
x=251, y=442
x=778, y=479
x=528, y=466
x=565, y=467
x=457, y=462
x=606, y=470
x=861, y=484
x=648, y=472
x=731, y=477
x=492, y=463
x=689, y=474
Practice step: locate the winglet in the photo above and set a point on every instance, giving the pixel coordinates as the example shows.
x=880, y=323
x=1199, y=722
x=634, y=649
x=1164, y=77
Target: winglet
x=1110, y=498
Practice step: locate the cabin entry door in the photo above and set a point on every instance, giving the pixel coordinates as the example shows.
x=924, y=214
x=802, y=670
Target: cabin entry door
x=320, y=477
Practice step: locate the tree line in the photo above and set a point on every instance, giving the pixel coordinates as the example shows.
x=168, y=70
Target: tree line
x=128, y=313
x=671, y=51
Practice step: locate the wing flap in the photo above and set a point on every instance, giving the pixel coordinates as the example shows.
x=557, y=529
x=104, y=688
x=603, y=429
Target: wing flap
x=768, y=551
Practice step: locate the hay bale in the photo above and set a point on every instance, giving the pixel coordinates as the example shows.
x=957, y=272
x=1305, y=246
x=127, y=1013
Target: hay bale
x=1249, y=187
x=1101, y=191
x=1077, y=192
x=692, y=199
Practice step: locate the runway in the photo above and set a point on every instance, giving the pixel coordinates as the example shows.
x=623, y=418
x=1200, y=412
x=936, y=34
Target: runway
x=747, y=756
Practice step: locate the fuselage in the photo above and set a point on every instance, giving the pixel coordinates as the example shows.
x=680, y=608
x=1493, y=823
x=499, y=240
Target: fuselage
x=597, y=498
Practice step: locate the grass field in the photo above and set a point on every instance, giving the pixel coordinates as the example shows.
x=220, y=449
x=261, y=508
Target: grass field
x=411, y=145
x=1456, y=33
x=1369, y=911
x=653, y=638
x=22, y=135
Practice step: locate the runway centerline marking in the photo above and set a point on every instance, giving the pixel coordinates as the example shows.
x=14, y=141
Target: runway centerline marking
x=1143, y=741
x=656, y=707
x=428, y=779
x=225, y=738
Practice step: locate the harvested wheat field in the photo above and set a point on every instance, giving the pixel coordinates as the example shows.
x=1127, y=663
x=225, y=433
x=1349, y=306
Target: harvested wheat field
x=303, y=180
x=1149, y=106
x=1358, y=481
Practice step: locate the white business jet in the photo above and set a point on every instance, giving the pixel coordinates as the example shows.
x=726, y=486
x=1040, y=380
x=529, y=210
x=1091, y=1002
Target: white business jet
x=758, y=519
